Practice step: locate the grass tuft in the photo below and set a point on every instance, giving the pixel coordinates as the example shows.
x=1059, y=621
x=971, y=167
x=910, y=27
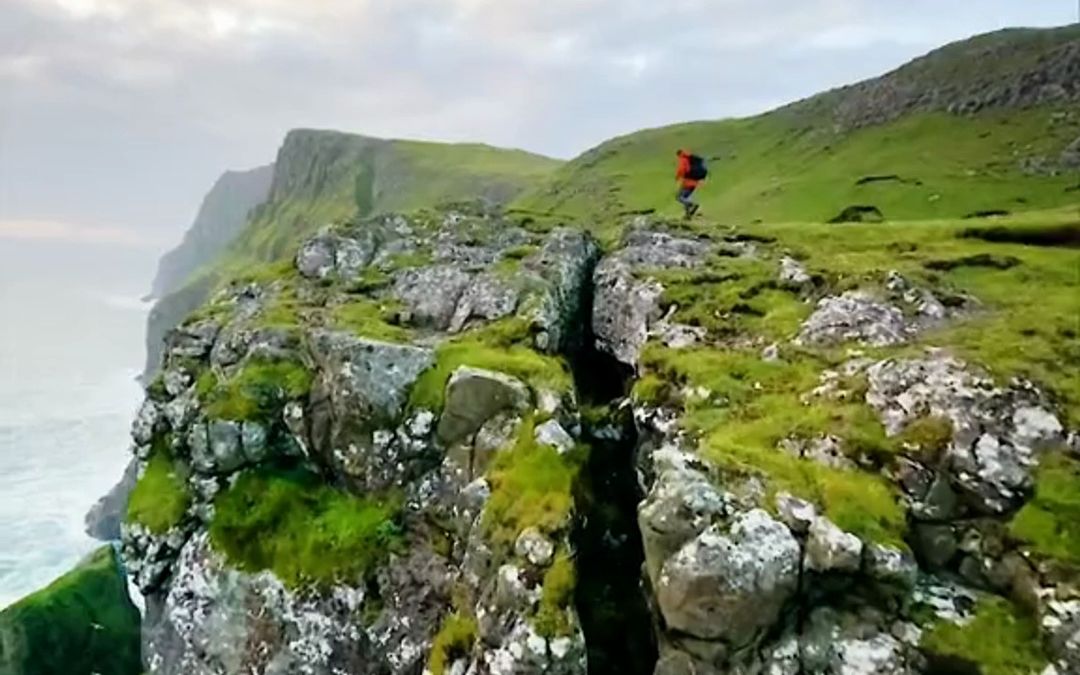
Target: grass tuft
x=1050, y=522
x=531, y=486
x=560, y=580
x=160, y=497
x=257, y=391
x=304, y=531
x=1000, y=639
x=454, y=641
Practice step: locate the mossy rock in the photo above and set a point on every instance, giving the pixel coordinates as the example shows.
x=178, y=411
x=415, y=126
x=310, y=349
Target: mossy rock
x=82, y=623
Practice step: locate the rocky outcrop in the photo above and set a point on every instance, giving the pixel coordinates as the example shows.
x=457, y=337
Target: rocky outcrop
x=103, y=519
x=1046, y=74
x=626, y=301
x=238, y=398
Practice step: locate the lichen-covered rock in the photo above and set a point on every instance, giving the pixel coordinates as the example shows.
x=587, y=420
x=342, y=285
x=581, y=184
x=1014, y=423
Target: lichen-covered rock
x=216, y=619
x=532, y=545
x=1061, y=624
x=830, y=549
x=833, y=643
x=431, y=294
x=854, y=316
x=730, y=586
x=997, y=433
x=890, y=565
x=488, y=297
x=792, y=273
x=473, y=396
x=147, y=422
x=681, y=504
x=552, y=434
x=797, y=514
x=565, y=262
x=192, y=340
x=625, y=306
x=357, y=399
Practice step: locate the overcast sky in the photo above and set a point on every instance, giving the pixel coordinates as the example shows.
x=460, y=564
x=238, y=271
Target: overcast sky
x=117, y=115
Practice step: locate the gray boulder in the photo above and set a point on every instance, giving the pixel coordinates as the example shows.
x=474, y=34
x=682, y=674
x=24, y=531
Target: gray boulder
x=731, y=587
x=997, y=433
x=830, y=549
x=357, y=399
x=473, y=396
x=431, y=294
x=215, y=620
x=625, y=306
x=565, y=264
x=854, y=316
x=488, y=297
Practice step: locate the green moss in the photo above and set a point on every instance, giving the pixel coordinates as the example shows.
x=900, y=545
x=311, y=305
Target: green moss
x=520, y=252
x=752, y=405
x=733, y=296
x=1000, y=639
x=156, y=389
x=410, y=260
x=1050, y=522
x=531, y=486
x=454, y=641
x=556, y=596
x=160, y=497
x=257, y=391
x=930, y=435
x=83, y=622
x=304, y=531
x=493, y=347
x=370, y=319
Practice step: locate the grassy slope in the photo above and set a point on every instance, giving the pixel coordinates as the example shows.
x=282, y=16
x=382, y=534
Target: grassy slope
x=82, y=623
x=772, y=170
x=799, y=163
x=330, y=176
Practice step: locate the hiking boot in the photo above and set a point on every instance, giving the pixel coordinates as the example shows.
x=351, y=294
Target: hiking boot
x=692, y=210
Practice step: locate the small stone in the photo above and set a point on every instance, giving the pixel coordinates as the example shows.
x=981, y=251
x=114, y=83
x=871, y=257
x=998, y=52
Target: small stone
x=797, y=514
x=552, y=434
x=830, y=549
x=792, y=272
x=891, y=565
x=532, y=545
x=771, y=353
x=935, y=545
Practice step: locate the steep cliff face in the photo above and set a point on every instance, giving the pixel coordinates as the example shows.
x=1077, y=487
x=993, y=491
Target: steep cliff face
x=222, y=214
x=320, y=177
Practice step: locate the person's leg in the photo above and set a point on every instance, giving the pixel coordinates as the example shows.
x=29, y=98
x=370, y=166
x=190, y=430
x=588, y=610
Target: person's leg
x=684, y=198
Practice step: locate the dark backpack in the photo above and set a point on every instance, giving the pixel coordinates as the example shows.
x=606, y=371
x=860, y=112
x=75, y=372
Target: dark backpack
x=698, y=170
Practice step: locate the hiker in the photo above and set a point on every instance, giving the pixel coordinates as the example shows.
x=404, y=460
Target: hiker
x=689, y=172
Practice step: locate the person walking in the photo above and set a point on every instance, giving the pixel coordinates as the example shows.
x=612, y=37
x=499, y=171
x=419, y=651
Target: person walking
x=690, y=171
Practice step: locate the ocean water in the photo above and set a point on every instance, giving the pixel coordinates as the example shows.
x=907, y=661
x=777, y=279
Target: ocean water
x=71, y=332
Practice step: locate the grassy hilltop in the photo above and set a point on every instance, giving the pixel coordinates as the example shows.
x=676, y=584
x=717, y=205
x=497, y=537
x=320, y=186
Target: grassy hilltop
x=975, y=126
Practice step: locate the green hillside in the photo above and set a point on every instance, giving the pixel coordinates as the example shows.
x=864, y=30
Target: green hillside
x=975, y=126
x=82, y=623
x=326, y=176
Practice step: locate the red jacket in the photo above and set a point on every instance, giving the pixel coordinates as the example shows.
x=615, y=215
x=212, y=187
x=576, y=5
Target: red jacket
x=682, y=169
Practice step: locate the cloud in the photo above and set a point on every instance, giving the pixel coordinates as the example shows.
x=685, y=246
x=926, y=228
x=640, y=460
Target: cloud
x=71, y=233
x=124, y=111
